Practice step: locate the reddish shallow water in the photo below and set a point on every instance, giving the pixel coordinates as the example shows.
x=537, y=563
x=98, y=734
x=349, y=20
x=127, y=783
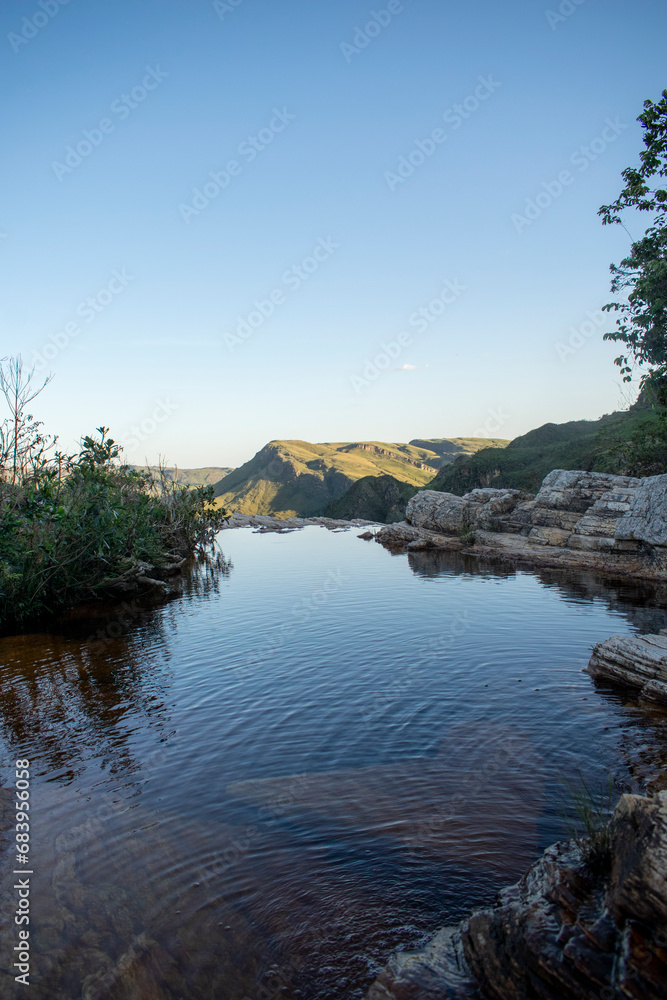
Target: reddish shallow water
x=264, y=787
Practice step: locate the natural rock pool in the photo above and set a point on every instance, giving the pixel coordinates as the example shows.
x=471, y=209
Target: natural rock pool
x=309, y=759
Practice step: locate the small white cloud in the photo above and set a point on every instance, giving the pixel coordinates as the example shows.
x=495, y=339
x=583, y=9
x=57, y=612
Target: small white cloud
x=407, y=368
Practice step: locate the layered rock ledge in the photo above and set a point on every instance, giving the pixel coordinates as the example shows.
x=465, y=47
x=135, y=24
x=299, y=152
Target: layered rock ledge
x=577, y=520
x=585, y=921
x=634, y=661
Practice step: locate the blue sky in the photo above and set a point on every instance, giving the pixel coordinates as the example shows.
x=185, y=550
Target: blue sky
x=117, y=114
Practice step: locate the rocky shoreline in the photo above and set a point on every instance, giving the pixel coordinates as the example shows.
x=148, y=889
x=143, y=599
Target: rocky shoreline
x=578, y=520
x=583, y=922
x=264, y=522
x=589, y=919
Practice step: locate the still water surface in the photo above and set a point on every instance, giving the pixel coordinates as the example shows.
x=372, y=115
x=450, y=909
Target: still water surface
x=322, y=753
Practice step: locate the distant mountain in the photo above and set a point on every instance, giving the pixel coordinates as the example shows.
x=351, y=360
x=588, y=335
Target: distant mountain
x=191, y=477
x=448, y=449
x=288, y=478
x=374, y=498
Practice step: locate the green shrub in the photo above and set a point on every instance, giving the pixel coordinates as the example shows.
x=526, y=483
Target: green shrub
x=81, y=526
x=467, y=535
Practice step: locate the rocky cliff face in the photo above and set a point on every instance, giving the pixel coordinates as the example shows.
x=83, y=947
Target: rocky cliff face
x=376, y=449
x=597, y=520
x=576, y=926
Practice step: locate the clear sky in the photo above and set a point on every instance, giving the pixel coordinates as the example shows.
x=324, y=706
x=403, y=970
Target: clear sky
x=373, y=165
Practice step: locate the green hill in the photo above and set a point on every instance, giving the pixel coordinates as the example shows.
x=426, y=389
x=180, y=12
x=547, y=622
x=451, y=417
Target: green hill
x=374, y=498
x=629, y=442
x=297, y=478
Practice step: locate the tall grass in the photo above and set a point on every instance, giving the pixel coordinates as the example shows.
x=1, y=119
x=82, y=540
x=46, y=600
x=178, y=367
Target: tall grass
x=591, y=830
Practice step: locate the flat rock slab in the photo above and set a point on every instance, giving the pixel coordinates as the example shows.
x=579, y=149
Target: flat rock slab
x=633, y=661
x=532, y=550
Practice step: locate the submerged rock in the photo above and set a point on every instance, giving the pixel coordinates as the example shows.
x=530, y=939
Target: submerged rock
x=416, y=805
x=579, y=924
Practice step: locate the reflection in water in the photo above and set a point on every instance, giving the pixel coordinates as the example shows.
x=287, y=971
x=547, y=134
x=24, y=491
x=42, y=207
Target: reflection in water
x=209, y=570
x=263, y=788
x=85, y=686
x=64, y=696
x=644, y=605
